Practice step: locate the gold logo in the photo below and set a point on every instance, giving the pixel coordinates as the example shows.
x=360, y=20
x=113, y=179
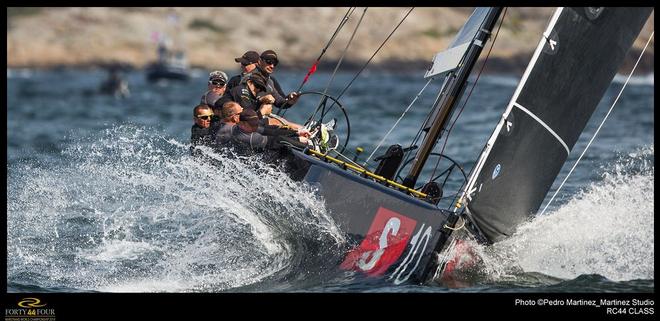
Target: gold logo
x=30, y=303
x=29, y=309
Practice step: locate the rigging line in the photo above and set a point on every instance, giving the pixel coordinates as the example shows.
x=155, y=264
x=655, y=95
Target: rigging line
x=406, y=155
x=397, y=122
x=312, y=69
x=372, y=57
x=343, y=54
x=456, y=228
x=599, y=127
x=467, y=98
x=332, y=77
x=343, y=21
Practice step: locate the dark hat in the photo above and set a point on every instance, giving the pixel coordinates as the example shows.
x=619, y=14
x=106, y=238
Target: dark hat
x=258, y=80
x=249, y=116
x=250, y=57
x=218, y=76
x=269, y=54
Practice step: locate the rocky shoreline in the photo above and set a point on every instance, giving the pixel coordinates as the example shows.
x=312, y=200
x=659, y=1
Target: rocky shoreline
x=99, y=37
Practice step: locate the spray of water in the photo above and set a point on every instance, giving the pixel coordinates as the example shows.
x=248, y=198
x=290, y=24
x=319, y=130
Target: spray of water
x=606, y=229
x=130, y=210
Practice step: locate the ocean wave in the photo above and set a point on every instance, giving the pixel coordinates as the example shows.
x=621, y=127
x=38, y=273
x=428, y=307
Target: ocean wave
x=130, y=210
x=607, y=229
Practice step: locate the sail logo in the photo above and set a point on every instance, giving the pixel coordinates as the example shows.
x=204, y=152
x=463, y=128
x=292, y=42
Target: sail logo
x=551, y=43
x=496, y=171
x=383, y=244
x=593, y=12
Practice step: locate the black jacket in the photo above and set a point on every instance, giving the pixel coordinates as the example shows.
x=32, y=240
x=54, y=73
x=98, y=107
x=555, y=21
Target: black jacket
x=209, y=98
x=273, y=149
x=250, y=143
x=272, y=87
x=234, y=81
x=200, y=136
x=243, y=96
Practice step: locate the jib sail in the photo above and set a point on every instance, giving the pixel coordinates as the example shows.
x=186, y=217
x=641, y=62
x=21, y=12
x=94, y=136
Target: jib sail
x=450, y=58
x=572, y=67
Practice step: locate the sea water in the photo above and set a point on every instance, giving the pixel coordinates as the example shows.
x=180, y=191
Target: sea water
x=103, y=196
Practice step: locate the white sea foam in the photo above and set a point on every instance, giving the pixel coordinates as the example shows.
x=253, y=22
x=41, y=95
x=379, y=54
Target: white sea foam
x=120, y=250
x=131, y=211
x=607, y=229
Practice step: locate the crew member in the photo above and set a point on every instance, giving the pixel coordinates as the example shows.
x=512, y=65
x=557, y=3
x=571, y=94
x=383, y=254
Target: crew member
x=267, y=62
x=230, y=117
x=230, y=113
x=248, y=63
x=201, y=131
x=247, y=140
x=217, y=85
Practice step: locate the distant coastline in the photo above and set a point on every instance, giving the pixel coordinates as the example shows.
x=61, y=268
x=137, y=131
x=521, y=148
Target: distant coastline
x=213, y=37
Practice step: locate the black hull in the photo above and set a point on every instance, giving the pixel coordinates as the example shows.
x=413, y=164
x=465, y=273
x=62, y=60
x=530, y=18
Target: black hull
x=157, y=72
x=393, y=235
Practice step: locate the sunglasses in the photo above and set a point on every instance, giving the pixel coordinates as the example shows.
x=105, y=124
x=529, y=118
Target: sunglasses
x=217, y=82
x=271, y=62
x=205, y=117
x=246, y=64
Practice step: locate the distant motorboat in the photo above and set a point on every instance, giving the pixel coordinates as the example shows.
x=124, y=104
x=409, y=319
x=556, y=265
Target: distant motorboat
x=170, y=65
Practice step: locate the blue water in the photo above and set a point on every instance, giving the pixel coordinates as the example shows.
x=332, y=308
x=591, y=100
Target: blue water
x=102, y=195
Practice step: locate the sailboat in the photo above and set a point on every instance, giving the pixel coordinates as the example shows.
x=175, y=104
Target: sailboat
x=394, y=223
x=171, y=64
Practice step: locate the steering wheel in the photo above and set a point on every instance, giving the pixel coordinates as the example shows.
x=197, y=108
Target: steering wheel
x=324, y=108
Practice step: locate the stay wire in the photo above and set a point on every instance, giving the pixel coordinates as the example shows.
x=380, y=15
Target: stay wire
x=332, y=77
x=368, y=61
x=599, y=127
x=343, y=54
x=343, y=21
x=312, y=69
x=397, y=122
x=407, y=155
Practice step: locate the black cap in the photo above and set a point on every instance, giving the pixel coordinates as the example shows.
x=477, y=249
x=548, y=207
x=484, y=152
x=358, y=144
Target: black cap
x=250, y=57
x=269, y=54
x=258, y=80
x=249, y=116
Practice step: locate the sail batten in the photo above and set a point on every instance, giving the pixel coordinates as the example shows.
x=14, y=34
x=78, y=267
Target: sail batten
x=531, y=114
x=575, y=61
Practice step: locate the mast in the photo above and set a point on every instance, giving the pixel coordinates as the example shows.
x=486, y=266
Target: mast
x=455, y=83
